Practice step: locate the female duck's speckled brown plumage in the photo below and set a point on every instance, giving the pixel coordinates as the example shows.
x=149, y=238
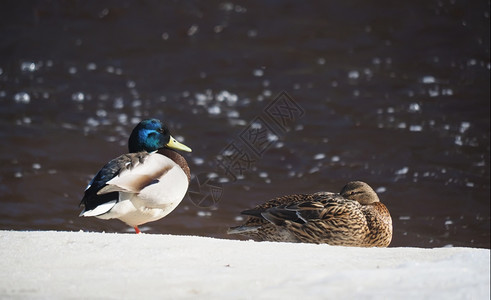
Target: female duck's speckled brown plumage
x=354, y=217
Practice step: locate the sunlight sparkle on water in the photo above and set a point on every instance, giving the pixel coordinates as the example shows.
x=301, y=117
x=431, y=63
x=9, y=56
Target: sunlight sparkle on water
x=428, y=79
x=22, y=97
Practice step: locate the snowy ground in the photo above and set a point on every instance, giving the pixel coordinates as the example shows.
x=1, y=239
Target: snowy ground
x=73, y=265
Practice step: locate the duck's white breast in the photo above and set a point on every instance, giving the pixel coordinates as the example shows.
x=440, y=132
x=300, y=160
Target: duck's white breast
x=167, y=191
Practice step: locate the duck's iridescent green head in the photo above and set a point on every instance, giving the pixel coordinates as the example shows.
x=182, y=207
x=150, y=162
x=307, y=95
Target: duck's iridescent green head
x=151, y=135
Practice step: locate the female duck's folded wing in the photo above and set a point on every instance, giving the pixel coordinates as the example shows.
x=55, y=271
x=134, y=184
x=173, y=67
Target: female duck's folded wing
x=301, y=211
x=329, y=209
x=279, y=210
x=278, y=216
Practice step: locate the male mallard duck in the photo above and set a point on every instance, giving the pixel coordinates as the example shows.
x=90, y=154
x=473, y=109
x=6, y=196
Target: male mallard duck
x=144, y=185
x=354, y=217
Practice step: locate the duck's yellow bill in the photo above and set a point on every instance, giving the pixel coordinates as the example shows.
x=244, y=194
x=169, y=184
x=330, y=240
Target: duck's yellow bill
x=174, y=144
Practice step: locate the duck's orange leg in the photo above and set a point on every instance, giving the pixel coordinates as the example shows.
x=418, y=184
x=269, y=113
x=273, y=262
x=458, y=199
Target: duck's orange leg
x=137, y=230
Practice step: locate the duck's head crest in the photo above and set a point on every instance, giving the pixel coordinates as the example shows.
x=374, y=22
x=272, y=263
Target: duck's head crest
x=151, y=135
x=359, y=191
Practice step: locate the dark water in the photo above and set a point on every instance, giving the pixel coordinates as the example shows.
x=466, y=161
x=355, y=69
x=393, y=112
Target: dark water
x=395, y=94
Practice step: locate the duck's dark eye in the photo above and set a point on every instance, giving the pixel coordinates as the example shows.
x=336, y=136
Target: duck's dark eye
x=354, y=193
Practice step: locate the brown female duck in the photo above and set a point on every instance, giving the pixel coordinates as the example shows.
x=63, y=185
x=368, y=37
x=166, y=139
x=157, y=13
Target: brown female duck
x=354, y=217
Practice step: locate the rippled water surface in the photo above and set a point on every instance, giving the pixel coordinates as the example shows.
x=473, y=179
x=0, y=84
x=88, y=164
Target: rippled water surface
x=394, y=94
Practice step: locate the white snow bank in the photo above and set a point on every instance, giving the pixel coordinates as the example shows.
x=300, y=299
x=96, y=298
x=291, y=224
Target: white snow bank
x=63, y=265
